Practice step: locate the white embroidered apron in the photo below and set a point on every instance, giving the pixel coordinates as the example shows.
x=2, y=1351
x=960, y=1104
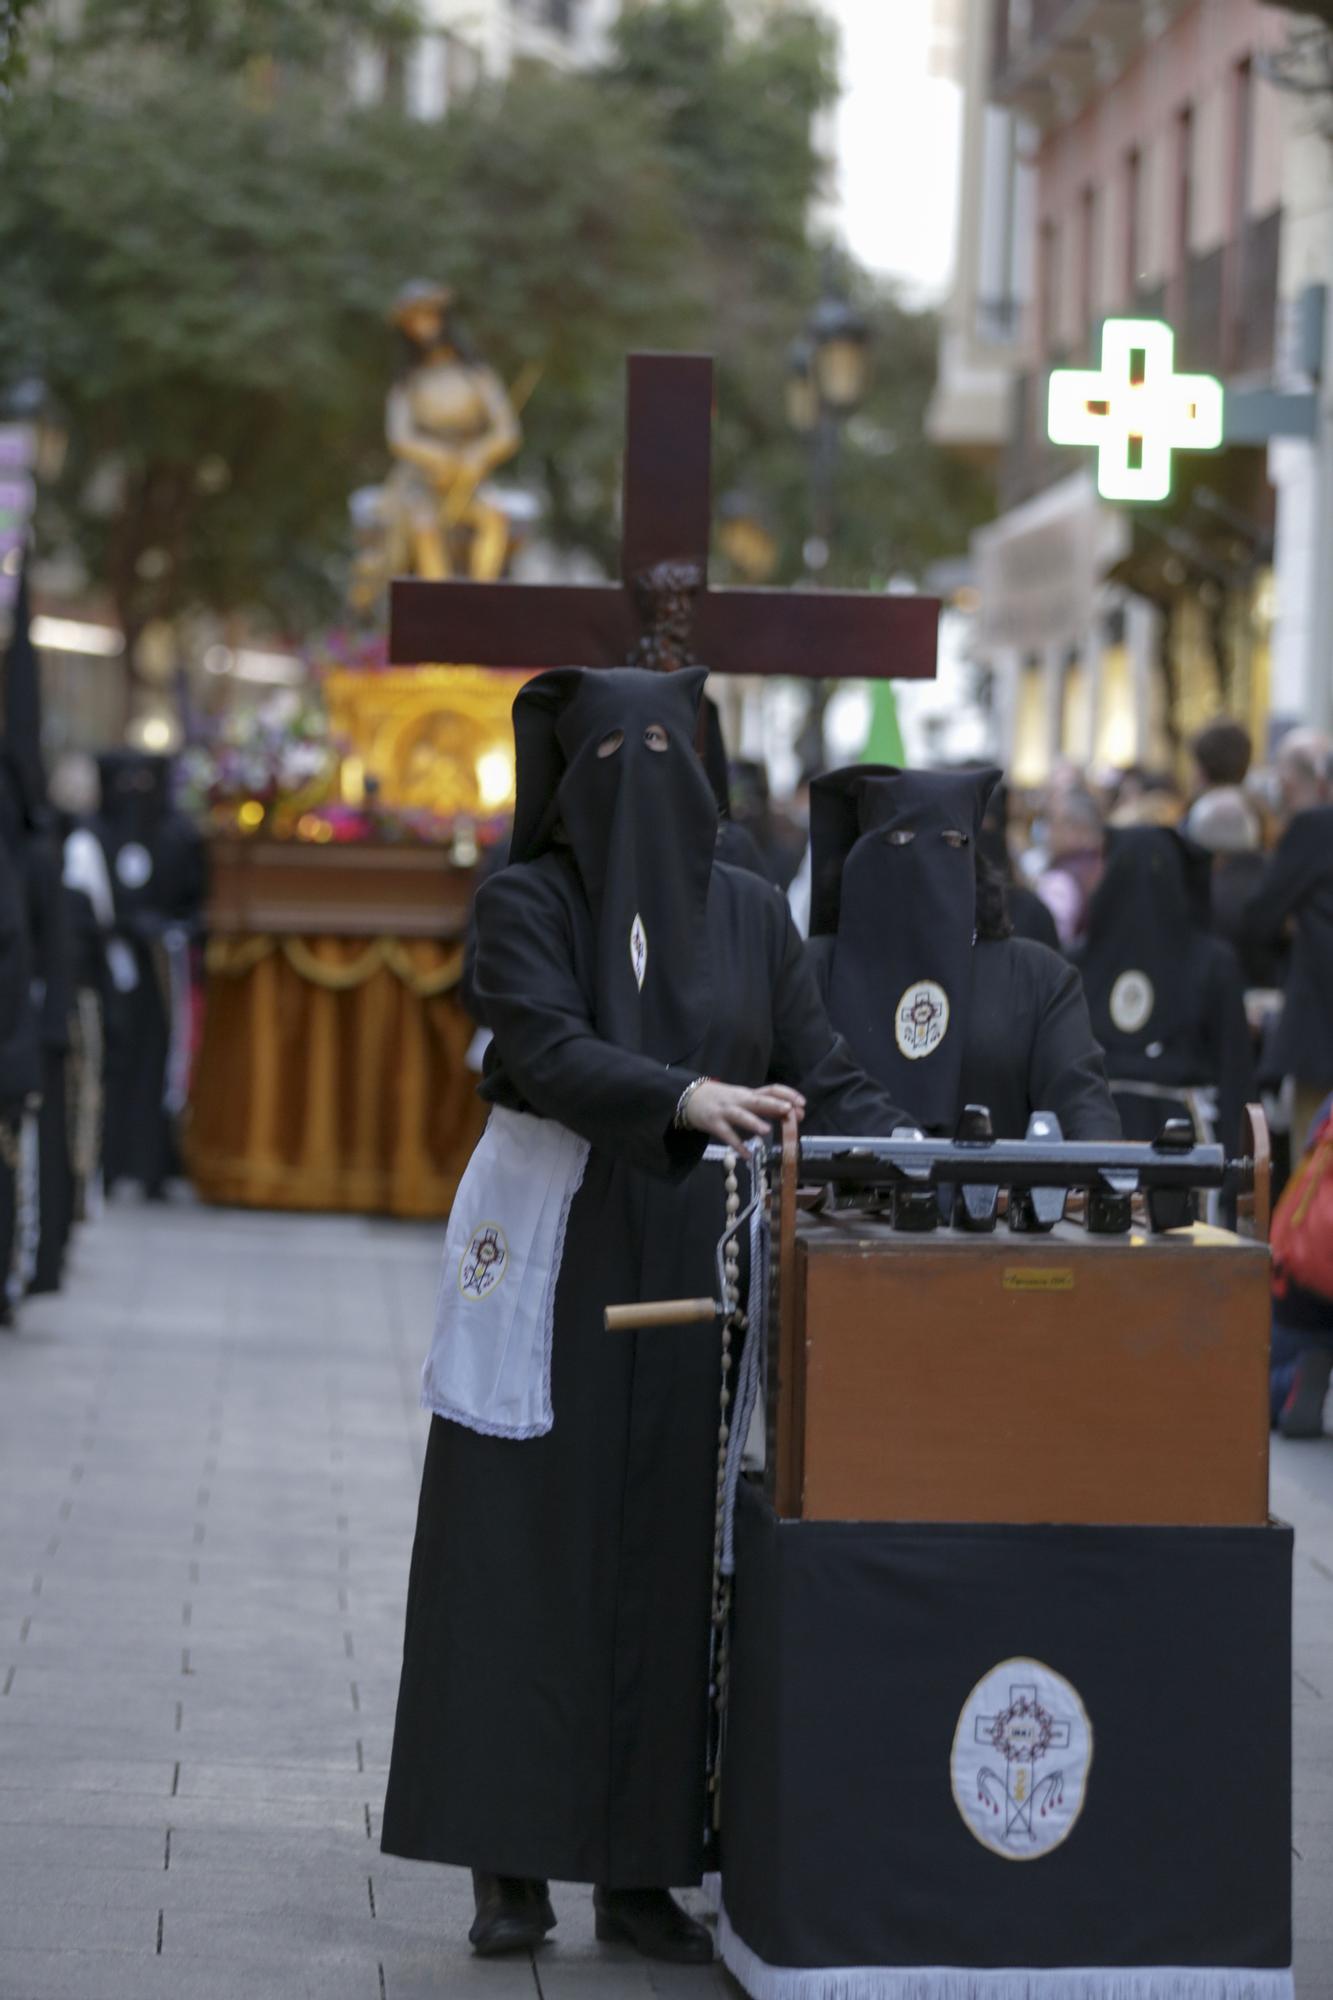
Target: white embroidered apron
x=489, y=1365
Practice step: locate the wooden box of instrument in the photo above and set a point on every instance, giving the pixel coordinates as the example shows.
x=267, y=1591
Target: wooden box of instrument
x=1068, y=1377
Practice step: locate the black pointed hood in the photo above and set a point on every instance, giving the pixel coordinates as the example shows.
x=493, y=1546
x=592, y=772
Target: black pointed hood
x=135, y=794
x=893, y=885
x=1153, y=895
x=641, y=827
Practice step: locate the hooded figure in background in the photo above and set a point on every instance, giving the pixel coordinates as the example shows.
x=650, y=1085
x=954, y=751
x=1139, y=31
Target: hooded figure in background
x=552, y=1717
x=1165, y=995
x=32, y=839
x=1028, y=915
x=155, y=860
x=919, y=968
x=1294, y=900
x=91, y=914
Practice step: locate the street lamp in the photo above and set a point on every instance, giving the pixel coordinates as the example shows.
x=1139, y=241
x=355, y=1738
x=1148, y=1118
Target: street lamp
x=802, y=388
x=841, y=339
x=828, y=371
x=745, y=537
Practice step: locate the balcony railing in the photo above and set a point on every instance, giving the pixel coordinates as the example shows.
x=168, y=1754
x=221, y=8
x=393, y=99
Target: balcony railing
x=1224, y=305
x=1044, y=49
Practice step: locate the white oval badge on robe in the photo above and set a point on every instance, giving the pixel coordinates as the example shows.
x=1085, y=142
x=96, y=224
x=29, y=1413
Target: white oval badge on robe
x=1131, y=1002
x=638, y=950
x=922, y=1019
x=1021, y=1756
x=134, y=865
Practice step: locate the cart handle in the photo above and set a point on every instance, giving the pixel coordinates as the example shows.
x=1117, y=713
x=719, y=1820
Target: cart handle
x=660, y=1312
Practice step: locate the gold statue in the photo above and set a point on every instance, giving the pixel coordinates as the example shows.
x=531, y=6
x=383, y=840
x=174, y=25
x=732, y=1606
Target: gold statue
x=449, y=422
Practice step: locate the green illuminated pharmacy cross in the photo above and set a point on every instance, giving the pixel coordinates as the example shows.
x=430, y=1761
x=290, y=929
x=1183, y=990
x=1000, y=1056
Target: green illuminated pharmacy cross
x=1135, y=409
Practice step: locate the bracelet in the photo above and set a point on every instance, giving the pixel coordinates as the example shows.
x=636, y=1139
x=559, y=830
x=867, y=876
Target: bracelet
x=684, y=1100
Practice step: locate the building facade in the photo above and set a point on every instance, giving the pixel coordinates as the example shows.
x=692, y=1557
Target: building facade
x=463, y=41
x=1138, y=157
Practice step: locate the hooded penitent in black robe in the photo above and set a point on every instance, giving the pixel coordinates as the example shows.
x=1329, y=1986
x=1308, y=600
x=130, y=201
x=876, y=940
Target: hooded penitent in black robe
x=1297, y=889
x=156, y=863
x=52, y=946
x=942, y=1016
x=553, y=1707
x=35, y=838
x=1165, y=995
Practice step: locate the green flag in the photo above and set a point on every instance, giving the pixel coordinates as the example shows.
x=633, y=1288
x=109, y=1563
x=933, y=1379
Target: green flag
x=884, y=742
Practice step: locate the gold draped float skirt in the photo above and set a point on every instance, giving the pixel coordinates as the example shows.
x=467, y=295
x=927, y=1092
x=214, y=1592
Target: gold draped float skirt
x=331, y=1075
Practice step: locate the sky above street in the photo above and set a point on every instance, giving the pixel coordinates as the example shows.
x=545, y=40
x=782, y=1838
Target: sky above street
x=896, y=137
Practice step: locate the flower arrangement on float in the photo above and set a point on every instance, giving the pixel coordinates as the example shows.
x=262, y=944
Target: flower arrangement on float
x=276, y=767
x=262, y=765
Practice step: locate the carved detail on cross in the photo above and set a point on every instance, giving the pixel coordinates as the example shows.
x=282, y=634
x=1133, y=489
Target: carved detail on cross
x=663, y=613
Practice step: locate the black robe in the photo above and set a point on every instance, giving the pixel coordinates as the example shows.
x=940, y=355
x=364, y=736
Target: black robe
x=1297, y=888
x=53, y=974
x=20, y=1053
x=1212, y=1049
x=552, y=1716
x=1236, y=880
x=139, y=1141
x=1029, y=1044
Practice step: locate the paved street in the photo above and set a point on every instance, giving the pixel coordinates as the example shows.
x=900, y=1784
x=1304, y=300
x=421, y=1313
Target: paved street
x=209, y=1450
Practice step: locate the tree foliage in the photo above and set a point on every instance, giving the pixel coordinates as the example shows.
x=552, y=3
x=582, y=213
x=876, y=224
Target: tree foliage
x=11, y=42
x=201, y=235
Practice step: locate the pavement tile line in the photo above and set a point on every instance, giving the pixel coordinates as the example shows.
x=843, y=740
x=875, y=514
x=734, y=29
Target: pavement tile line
x=210, y=1448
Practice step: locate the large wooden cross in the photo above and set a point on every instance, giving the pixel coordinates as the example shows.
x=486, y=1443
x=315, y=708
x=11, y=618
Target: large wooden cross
x=663, y=613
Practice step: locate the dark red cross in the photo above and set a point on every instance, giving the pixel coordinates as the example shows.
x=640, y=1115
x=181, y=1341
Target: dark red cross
x=824, y=634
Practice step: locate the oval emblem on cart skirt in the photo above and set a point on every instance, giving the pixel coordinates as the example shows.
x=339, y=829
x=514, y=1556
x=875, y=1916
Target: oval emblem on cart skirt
x=922, y=1019
x=1131, y=1002
x=1021, y=1756
x=484, y=1262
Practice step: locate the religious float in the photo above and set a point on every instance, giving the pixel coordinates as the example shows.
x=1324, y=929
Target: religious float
x=348, y=822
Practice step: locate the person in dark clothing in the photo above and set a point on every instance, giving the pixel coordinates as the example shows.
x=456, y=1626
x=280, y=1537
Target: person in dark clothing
x=1028, y=915
x=1165, y=995
x=48, y=919
x=552, y=1714
x=769, y=833
x=20, y=1051
x=91, y=916
x=34, y=838
x=1224, y=823
x=919, y=967
x=1295, y=894
x=155, y=858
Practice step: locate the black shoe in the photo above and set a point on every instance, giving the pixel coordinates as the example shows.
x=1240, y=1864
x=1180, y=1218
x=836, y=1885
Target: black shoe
x=513, y=1914
x=1303, y=1412
x=654, y=1923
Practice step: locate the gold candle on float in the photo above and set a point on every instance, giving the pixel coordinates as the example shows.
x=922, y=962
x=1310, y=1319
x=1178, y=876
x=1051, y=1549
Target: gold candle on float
x=352, y=781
